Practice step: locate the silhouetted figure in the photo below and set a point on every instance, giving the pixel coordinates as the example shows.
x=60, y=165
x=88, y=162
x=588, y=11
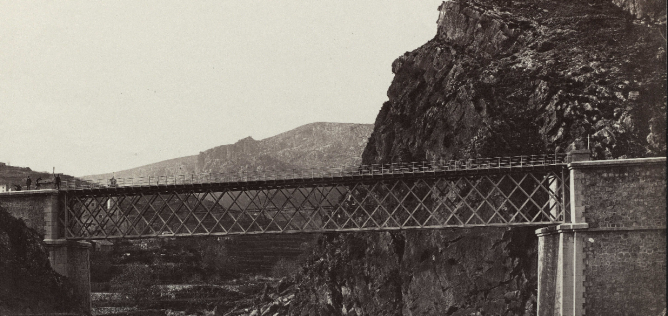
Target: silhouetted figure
x=57, y=181
x=112, y=182
x=28, y=183
x=37, y=184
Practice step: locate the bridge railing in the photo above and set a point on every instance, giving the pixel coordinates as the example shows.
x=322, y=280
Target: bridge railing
x=343, y=171
x=509, y=192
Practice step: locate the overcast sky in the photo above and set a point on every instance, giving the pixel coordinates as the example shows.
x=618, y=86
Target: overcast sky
x=99, y=86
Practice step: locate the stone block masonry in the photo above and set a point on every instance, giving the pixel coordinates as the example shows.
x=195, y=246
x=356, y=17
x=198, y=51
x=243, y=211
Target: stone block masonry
x=625, y=196
x=625, y=245
x=625, y=273
x=611, y=258
x=29, y=206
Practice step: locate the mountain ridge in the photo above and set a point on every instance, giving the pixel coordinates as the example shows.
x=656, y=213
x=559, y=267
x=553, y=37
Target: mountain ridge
x=315, y=145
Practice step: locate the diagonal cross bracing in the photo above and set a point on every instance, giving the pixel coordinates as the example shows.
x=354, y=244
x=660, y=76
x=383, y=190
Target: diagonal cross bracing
x=487, y=193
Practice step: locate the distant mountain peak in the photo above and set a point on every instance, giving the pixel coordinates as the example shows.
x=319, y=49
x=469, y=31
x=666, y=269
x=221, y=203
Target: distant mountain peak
x=246, y=139
x=316, y=145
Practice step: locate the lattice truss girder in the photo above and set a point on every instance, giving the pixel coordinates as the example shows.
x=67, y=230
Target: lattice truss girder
x=505, y=199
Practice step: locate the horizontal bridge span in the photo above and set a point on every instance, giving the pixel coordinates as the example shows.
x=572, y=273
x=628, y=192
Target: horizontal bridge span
x=430, y=199
x=497, y=164
x=254, y=184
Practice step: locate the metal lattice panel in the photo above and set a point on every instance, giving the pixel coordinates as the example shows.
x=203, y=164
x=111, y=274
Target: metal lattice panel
x=368, y=202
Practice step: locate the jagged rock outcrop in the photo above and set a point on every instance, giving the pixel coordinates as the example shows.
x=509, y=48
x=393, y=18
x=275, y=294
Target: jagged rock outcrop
x=500, y=78
x=526, y=78
x=27, y=282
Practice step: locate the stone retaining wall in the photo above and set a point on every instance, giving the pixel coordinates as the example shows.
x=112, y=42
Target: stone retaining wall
x=610, y=259
x=625, y=245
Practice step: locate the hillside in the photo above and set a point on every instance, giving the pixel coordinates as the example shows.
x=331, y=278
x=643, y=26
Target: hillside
x=500, y=78
x=176, y=166
x=12, y=176
x=315, y=145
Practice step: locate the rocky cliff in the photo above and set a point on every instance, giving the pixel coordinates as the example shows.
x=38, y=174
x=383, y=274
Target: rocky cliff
x=28, y=285
x=512, y=77
x=500, y=78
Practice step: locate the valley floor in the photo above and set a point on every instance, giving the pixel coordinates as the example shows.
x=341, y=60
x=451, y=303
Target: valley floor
x=248, y=295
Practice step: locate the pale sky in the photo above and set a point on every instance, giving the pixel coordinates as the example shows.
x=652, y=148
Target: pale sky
x=98, y=86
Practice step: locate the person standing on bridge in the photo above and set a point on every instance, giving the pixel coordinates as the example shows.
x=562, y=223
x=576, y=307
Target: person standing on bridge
x=28, y=183
x=56, y=181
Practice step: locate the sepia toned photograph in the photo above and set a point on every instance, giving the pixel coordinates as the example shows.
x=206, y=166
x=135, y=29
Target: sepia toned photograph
x=333, y=158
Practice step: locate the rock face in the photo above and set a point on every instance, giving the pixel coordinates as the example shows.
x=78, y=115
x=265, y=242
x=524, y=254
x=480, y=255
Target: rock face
x=527, y=78
x=462, y=272
x=28, y=284
x=652, y=10
x=500, y=78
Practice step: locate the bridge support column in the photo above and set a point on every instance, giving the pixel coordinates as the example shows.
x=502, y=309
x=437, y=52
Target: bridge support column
x=561, y=256
x=560, y=270
x=67, y=258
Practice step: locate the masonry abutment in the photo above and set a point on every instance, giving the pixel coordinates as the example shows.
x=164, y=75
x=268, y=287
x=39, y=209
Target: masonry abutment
x=584, y=258
x=40, y=211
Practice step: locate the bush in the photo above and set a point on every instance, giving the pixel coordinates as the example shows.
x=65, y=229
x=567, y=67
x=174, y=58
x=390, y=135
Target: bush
x=215, y=259
x=101, y=268
x=135, y=282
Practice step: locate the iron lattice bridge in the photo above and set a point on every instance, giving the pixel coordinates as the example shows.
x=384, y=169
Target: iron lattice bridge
x=527, y=190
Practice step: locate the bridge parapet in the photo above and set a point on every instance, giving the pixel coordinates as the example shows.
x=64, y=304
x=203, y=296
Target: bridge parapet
x=501, y=164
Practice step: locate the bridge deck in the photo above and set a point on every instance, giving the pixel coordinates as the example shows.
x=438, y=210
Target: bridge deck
x=512, y=191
